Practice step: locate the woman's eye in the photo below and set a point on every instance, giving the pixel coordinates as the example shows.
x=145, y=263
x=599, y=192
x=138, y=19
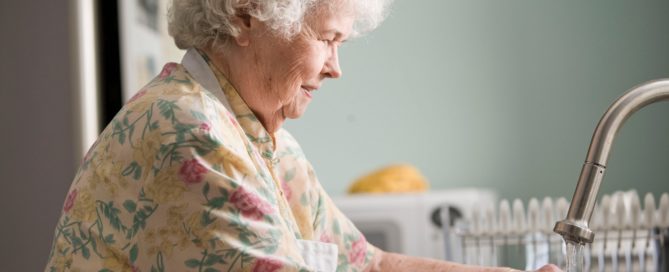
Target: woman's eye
x=327, y=40
x=331, y=42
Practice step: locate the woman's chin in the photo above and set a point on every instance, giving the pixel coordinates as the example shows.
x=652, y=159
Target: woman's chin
x=294, y=113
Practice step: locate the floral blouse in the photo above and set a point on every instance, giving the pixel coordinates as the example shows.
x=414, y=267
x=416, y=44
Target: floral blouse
x=186, y=178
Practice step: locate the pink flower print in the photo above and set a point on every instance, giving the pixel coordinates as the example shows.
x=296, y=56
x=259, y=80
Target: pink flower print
x=167, y=70
x=287, y=192
x=267, y=265
x=357, y=252
x=139, y=94
x=192, y=171
x=325, y=238
x=232, y=119
x=249, y=204
x=69, y=201
x=205, y=126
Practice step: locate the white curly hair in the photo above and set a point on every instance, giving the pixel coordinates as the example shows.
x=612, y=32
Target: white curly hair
x=196, y=23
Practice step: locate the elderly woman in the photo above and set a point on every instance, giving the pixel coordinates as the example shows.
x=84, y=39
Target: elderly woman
x=195, y=172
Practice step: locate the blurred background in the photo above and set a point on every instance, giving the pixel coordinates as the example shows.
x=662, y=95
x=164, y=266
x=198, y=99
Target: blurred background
x=501, y=95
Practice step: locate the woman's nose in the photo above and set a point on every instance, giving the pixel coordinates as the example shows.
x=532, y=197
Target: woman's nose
x=331, y=67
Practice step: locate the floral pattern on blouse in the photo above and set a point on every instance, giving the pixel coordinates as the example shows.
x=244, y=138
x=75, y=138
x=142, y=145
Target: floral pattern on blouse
x=177, y=182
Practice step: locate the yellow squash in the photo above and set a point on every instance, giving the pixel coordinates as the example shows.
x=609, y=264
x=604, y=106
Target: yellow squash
x=391, y=179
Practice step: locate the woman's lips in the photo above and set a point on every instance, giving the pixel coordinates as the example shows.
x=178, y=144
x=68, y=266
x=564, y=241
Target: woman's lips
x=306, y=92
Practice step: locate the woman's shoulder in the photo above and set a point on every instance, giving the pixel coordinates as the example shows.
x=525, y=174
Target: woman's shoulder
x=173, y=84
x=176, y=97
x=175, y=105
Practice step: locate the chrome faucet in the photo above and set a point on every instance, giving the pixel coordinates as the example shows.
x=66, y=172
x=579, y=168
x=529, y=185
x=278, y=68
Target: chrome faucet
x=575, y=228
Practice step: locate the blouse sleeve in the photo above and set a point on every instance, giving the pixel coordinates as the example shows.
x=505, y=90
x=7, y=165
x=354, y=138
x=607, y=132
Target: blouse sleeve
x=332, y=226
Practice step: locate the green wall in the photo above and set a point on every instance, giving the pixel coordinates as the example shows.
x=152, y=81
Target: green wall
x=499, y=94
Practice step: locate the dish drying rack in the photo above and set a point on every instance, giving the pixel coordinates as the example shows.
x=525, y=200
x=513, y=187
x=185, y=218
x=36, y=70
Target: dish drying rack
x=629, y=236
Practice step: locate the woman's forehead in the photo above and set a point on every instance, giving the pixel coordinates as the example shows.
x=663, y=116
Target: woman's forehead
x=328, y=19
x=336, y=8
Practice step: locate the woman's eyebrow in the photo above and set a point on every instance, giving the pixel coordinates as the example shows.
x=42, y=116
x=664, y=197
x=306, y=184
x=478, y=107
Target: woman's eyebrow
x=338, y=34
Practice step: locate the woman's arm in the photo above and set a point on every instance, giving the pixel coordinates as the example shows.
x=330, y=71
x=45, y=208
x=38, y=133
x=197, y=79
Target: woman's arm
x=385, y=261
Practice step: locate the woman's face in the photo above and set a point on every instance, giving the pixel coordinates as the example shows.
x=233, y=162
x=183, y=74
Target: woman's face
x=287, y=73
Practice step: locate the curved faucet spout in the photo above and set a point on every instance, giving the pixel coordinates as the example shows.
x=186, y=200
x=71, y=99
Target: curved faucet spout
x=575, y=228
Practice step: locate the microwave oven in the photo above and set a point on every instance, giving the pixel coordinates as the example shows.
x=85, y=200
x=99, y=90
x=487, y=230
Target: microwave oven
x=410, y=223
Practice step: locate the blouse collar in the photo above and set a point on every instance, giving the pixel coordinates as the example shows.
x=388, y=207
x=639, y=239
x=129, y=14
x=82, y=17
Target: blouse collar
x=212, y=79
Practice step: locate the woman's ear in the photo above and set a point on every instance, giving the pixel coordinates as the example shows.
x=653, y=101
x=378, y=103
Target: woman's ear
x=246, y=24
